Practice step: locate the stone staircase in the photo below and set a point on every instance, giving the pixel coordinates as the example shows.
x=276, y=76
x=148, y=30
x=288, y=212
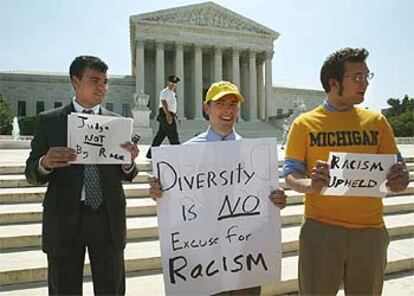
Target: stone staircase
x=23, y=266
x=247, y=129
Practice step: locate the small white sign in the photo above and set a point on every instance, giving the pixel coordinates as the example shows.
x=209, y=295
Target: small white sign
x=97, y=138
x=354, y=174
x=218, y=229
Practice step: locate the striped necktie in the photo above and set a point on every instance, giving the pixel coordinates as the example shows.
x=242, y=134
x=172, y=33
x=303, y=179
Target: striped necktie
x=91, y=181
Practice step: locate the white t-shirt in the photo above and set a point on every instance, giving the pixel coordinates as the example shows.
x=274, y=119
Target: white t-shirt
x=169, y=96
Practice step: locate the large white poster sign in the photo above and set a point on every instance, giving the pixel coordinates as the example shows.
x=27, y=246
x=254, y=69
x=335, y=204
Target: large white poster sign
x=354, y=174
x=218, y=229
x=97, y=138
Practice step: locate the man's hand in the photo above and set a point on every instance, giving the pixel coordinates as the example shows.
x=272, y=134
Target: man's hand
x=58, y=157
x=155, y=188
x=169, y=119
x=320, y=176
x=133, y=150
x=397, y=178
x=278, y=197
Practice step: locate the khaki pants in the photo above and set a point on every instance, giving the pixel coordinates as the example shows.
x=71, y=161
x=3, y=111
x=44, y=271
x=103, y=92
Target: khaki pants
x=330, y=255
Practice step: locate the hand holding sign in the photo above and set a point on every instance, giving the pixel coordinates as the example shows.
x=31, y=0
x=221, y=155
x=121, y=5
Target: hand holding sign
x=132, y=148
x=278, y=198
x=320, y=176
x=58, y=157
x=397, y=178
x=155, y=189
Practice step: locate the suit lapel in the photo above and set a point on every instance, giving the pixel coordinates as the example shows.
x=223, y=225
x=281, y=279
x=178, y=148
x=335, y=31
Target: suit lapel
x=59, y=126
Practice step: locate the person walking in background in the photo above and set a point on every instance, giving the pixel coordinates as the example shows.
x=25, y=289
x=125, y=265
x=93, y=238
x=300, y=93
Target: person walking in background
x=285, y=131
x=84, y=206
x=167, y=117
x=342, y=239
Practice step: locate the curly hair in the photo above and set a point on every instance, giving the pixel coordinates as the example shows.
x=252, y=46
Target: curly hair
x=334, y=65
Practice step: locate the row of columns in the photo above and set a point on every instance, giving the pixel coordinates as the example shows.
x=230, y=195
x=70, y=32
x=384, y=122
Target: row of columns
x=254, y=84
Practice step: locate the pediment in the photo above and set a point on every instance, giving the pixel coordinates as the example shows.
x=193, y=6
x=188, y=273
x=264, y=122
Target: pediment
x=206, y=14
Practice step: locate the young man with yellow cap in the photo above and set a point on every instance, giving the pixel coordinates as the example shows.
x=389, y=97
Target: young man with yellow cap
x=222, y=107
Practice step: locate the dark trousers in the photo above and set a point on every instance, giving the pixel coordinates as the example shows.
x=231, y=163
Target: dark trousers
x=254, y=291
x=65, y=271
x=164, y=130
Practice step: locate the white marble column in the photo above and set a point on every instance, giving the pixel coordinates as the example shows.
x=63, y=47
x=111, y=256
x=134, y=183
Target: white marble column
x=140, y=67
x=268, y=82
x=252, y=86
x=218, y=64
x=236, y=67
x=260, y=90
x=198, y=81
x=159, y=72
x=244, y=87
x=179, y=71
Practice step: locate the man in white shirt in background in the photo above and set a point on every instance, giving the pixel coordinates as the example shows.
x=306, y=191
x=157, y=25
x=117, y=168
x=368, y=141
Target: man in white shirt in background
x=167, y=115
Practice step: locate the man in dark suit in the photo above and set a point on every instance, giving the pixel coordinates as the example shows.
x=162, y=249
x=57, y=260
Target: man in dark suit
x=70, y=221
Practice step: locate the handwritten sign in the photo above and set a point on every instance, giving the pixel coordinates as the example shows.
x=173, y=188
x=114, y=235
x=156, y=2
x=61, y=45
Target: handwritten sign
x=96, y=138
x=354, y=174
x=218, y=229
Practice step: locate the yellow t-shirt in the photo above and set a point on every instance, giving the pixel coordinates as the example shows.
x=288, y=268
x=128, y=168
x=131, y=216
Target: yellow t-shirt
x=314, y=134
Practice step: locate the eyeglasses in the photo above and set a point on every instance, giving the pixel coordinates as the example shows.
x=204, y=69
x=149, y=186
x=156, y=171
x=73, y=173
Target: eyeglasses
x=361, y=77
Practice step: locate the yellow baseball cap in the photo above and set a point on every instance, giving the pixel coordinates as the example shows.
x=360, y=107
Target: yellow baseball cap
x=219, y=89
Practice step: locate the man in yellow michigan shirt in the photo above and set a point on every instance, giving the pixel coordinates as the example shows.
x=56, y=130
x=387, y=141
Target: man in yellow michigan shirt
x=342, y=239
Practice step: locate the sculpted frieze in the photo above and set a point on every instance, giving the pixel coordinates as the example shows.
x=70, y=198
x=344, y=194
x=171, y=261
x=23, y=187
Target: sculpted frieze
x=203, y=18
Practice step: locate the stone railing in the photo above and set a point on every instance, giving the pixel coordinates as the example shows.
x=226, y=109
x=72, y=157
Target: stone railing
x=404, y=140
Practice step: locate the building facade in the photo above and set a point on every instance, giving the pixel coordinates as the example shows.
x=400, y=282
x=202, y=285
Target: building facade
x=200, y=43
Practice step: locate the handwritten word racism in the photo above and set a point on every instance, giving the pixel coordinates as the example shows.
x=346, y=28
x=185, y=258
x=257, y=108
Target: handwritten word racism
x=179, y=268
x=352, y=164
x=238, y=175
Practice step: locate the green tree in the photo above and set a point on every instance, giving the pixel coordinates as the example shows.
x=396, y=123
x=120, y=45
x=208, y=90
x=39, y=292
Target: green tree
x=401, y=116
x=407, y=104
x=6, y=117
x=27, y=125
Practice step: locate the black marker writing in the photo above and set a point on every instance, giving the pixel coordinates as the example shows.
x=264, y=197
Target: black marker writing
x=248, y=208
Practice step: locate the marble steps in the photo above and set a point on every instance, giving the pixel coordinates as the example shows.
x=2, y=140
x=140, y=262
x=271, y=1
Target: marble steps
x=36, y=194
x=247, y=129
x=22, y=213
x=27, y=264
x=18, y=213
x=136, y=190
x=19, y=180
x=14, y=168
x=145, y=165
x=25, y=206
x=151, y=283
x=14, y=235
x=144, y=256
x=144, y=271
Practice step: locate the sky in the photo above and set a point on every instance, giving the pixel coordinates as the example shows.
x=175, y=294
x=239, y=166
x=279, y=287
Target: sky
x=46, y=35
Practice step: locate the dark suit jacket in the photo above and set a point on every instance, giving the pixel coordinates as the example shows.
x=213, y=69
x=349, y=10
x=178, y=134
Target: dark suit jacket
x=61, y=205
